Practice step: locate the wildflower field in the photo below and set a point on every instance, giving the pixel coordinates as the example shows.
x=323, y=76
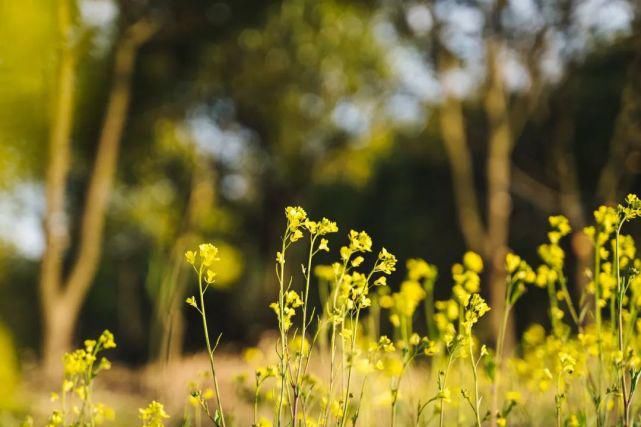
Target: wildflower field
x=379, y=350
x=320, y=213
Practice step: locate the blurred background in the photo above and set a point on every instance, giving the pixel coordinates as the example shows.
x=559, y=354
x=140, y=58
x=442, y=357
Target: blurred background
x=133, y=130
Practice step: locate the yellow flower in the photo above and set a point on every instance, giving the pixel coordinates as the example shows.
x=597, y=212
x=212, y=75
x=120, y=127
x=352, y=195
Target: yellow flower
x=252, y=355
x=385, y=344
x=323, y=245
x=103, y=413
x=326, y=226
x=299, y=345
x=153, y=415
x=324, y=272
x=208, y=394
x=107, y=340
x=191, y=301
x=445, y=395
x=266, y=372
x=632, y=207
x=386, y=301
x=382, y=281
x=90, y=345
x=190, y=257
x=513, y=396
x=293, y=299
x=395, y=320
x=430, y=348
x=418, y=269
x=415, y=339
x=264, y=422
x=392, y=366
x=208, y=253
x=360, y=241
x=386, y=262
x=295, y=216
x=473, y=261
x=560, y=228
x=210, y=276
x=552, y=255
x=474, y=311
x=534, y=335
x=55, y=419
x=406, y=301
x=574, y=421
x=310, y=225
x=568, y=363
x=357, y=261
x=296, y=235
x=512, y=262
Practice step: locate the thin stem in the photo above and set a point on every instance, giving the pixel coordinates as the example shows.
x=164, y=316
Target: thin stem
x=210, y=352
x=333, y=341
x=476, y=382
x=283, y=336
x=568, y=299
x=499, y=360
x=597, y=308
x=442, y=387
x=624, y=387
x=349, y=368
x=297, y=384
x=256, y=403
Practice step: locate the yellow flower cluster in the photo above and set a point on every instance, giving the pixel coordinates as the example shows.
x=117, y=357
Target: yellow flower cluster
x=153, y=415
x=81, y=366
x=292, y=301
x=406, y=300
x=466, y=277
x=202, y=261
x=297, y=220
x=476, y=308
x=585, y=371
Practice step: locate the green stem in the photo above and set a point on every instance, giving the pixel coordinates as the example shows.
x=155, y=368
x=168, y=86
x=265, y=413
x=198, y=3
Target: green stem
x=499, y=360
x=597, y=308
x=568, y=299
x=256, y=403
x=442, y=387
x=297, y=381
x=210, y=353
x=333, y=341
x=281, y=327
x=349, y=368
x=476, y=382
x=624, y=386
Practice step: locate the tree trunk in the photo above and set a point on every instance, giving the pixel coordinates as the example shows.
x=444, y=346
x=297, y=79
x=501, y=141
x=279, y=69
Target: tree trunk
x=58, y=336
x=499, y=202
x=55, y=221
x=61, y=300
x=452, y=125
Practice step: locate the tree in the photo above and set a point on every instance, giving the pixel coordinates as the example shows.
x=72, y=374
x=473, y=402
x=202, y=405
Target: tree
x=62, y=295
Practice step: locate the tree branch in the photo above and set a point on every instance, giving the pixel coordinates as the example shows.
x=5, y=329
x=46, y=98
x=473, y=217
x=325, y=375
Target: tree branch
x=55, y=221
x=535, y=192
